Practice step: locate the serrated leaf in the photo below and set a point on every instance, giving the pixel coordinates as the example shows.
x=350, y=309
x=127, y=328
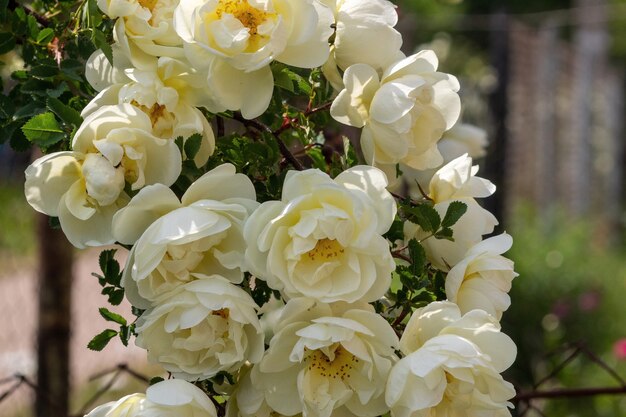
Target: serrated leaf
x=417, y=256
x=64, y=112
x=156, y=380
x=100, y=42
x=18, y=141
x=105, y=257
x=455, y=210
x=445, y=233
x=7, y=108
x=282, y=80
x=116, y=297
x=43, y=130
x=425, y=216
x=111, y=316
x=44, y=71
x=45, y=36
x=301, y=84
x=192, y=145
x=100, y=341
x=7, y=42
x=125, y=334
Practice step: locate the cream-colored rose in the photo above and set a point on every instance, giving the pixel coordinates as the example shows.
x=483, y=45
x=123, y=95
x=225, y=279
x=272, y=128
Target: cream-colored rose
x=169, y=398
x=124, y=136
x=85, y=188
x=403, y=113
x=324, y=238
x=452, y=365
x=144, y=28
x=209, y=325
x=168, y=93
x=324, y=360
x=236, y=40
x=176, y=240
x=456, y=181
x=483, y=278
x=364, y=34
x=462, y=139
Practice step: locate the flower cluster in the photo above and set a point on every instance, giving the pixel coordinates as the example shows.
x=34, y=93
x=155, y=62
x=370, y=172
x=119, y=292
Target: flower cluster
x=285, y=300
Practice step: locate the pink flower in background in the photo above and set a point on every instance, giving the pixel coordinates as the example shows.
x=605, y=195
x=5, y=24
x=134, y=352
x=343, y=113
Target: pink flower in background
x=619, y=349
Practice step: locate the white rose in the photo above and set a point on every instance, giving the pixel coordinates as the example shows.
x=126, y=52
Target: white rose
x=169, y=398
x=324, y=238
x=456, y=181
x=144, y=29
x=453, y=365
x=462, y=139
x=483, y=278
x=168, y=93
x=364, y=34
x=85, y=188
x=124, y=136
x=235, y=40
x=324, y=360
x=403, y=113
x=175, y=240
x=83, y=191
x=208, y=326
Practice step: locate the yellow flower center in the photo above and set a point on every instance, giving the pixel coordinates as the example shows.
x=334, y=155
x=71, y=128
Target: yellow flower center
x=325, y=250
x=148, y=4
x=249, y=16
x=223, y=313
x=338, y=365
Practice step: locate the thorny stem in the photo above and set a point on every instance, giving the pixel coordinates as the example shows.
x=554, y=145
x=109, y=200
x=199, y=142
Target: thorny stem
x=284, y=150
x=288, y=123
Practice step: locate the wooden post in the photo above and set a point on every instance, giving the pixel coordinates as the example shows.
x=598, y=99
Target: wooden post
x=53, y=334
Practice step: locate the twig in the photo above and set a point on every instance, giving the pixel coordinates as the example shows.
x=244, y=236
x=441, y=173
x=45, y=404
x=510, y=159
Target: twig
x=99, y=393
x=602, y=364
x=558, y=368
x=288, y=123
x=569, y=393
x=284, y=150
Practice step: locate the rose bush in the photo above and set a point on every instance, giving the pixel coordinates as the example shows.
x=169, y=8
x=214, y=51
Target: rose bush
x=273, y=262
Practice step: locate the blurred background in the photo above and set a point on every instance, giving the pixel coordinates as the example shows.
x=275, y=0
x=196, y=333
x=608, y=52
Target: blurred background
x=545, y=79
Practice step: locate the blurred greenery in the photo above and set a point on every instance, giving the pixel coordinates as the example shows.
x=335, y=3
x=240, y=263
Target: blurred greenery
x=16, y=222
x=571, y=290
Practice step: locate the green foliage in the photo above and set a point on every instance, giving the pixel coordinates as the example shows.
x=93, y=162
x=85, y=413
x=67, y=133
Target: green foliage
x=110, y=279
x=570, y=290
x=102, y=339
x=42, y=106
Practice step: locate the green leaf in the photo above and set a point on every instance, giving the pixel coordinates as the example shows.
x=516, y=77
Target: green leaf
x=109, y=266
x=116, y=297
x=155, y=380
x=45, y=36
x=64, y=112
x=282, y=80
x=418, y=257
x=445, y=233
x=17, y=139
x=125, y=333
x=425, y=216
x=101, y=340
x=455, y=210
x=192, y=145
x=111, y=316
x=7, y=42
x=43, y=130
x=44, y=71
x=100, y=41
x=7, y=108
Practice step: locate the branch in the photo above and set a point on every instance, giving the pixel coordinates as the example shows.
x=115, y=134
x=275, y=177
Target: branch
x=569, y=393
x=288, y=123
x=284, y=150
